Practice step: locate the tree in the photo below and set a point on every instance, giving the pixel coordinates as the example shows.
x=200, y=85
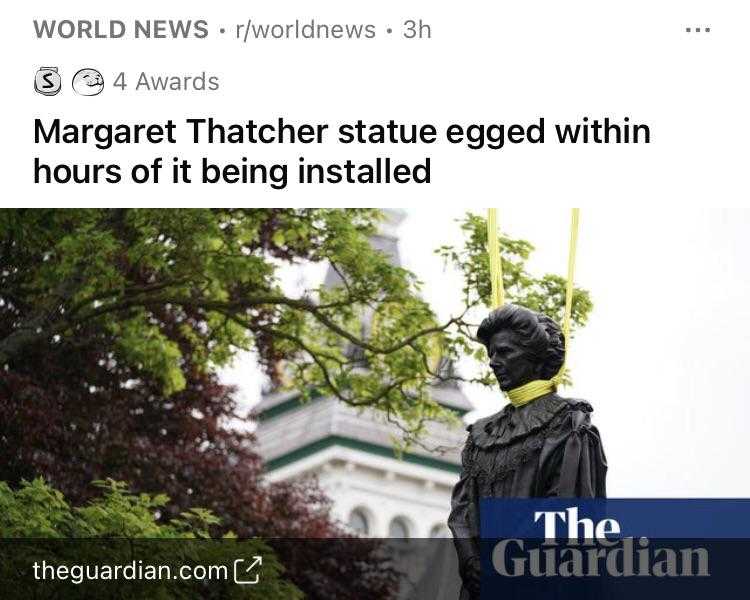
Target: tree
x=216, y=271
x=44, y=527
x=74, y=413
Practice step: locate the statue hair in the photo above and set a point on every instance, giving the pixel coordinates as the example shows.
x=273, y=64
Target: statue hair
x=536, y=333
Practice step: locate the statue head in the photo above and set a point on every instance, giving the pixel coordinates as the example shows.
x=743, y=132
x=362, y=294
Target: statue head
x=522, y=345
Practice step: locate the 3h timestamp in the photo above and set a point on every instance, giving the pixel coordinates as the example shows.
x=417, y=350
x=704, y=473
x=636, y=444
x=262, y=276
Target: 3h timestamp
x=412, y=29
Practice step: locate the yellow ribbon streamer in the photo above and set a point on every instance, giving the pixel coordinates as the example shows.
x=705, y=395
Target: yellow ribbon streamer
x=496, y=265
x=539, y=387
x=572, y=247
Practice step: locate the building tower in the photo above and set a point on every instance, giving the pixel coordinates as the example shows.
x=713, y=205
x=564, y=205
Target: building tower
x=350, y=450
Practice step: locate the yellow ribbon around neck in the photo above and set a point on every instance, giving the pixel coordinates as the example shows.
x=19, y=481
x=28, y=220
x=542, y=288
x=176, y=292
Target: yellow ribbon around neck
x=532, y=390
x=539, y=387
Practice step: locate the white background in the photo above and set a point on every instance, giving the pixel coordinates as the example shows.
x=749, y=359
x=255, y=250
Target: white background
x=487, y=62
x=664, y=357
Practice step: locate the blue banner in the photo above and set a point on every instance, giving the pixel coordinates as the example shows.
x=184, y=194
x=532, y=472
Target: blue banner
x=613, y=548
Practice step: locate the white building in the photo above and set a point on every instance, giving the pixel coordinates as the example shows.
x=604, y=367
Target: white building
x=351, y=452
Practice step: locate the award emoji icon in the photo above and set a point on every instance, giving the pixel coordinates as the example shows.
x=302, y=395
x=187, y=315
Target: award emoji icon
x=88, y=82
x=47, y=81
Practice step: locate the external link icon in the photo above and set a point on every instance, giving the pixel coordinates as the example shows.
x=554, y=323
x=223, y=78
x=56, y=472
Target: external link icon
x=246, y=572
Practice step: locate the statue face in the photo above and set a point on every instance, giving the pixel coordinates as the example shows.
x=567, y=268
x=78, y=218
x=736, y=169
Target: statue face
x=512, y=364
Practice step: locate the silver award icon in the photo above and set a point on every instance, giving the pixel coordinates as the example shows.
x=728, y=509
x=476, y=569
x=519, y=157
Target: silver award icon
x=47, y=81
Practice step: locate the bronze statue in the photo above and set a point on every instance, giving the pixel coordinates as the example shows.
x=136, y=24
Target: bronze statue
x=547, y=447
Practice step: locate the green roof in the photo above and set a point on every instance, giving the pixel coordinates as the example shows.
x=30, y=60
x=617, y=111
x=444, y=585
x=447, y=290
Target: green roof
x=337, y=440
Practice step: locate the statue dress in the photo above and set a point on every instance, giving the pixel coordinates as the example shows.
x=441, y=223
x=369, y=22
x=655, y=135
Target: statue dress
x=545, y=448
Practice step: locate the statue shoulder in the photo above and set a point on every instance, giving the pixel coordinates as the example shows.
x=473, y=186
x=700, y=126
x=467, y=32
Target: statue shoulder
x=509, y=425
x=576, y=413
x=578, y=404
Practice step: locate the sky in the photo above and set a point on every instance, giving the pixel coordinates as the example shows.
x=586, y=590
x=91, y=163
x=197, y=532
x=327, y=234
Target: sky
x=663, y=358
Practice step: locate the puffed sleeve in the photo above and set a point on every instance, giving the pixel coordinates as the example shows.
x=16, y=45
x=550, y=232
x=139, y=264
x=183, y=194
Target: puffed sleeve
x=464, y=517
x=573, y=460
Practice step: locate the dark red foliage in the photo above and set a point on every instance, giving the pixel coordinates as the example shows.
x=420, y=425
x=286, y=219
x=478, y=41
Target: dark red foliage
x=73, y=414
